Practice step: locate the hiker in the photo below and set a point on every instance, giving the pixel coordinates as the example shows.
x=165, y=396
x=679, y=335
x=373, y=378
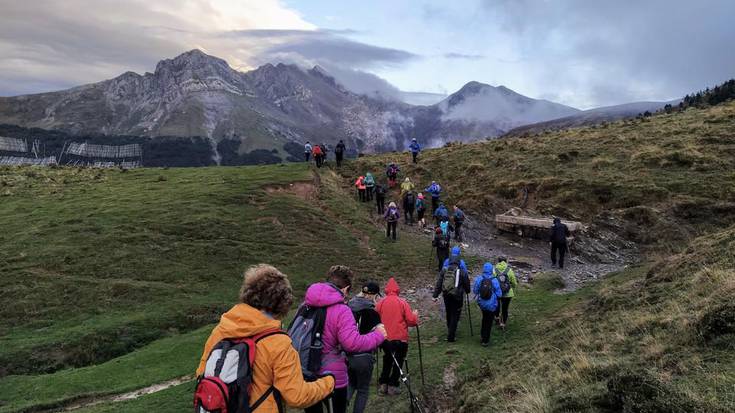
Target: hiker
x=420, y=210
x=487, y=293
x=558, y=242
x=409, y=203
x=508, y=284
x=339, y=152
x=360, y=365
x=435, y=190
x=265, y=299
x=360, y=185
x=307, y=150
x=415, y=149
x=392, y=215
x=380, y=198
x=369, y=186
x=452, y=283
x=441, y=214
x=317, y=153
x=340, y=333
x=458, y=217
x=407, y=186
x=324, y=153
x=392, y=173
x=441, y=242
x=396, y=314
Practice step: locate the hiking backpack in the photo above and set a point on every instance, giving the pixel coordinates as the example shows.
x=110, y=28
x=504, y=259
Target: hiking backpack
x=225, y=385
x=486, y=288
x=443, y=242
x=504, y=280
x=452, y=279
x=379, y=191
x=306, y=331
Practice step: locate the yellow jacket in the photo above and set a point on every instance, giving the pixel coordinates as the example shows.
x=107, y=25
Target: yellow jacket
x=276, y=362
x=407, y=186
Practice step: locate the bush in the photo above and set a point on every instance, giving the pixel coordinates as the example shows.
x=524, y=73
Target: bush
x=717, y=325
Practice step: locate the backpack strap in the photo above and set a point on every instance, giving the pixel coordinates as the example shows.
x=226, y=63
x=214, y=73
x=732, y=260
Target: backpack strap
x=271, y=390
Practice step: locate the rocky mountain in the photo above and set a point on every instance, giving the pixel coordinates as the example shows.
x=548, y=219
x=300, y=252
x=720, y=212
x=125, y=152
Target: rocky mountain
x=273, y=108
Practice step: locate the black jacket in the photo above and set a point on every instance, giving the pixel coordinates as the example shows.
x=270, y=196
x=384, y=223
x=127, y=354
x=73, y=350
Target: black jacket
x=464, y=282
x=365, y=315
x=437, y=239
x=340, y=148
x=559, y=233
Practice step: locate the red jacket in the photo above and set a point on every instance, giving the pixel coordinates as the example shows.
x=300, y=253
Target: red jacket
x=395, y=313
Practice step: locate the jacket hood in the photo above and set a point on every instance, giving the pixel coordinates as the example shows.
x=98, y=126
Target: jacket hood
x=456, y=251
x=243, y=320
x=369, y=175
x=501, y=266
x=487, y=269
x=557, y=221
x=361, y=303
x=407, y=180
x=392, y=288
x=323, y=294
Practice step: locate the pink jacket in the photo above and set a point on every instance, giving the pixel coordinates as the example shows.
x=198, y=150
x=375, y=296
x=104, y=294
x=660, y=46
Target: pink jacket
x=340, y=331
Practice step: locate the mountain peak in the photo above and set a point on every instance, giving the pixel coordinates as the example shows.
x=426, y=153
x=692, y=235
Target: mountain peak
x=194, y=59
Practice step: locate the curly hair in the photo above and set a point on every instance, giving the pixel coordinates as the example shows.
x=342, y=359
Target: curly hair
x=340, y=275
x=266, y=288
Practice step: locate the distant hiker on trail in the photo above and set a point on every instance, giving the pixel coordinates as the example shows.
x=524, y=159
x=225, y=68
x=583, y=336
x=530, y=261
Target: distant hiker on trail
x=265, y=299
x=452, y=283
x=415, y=149
x=360, y=365
x=307, y=150
x=392, y=173
x=396, y=314
x=380, y=198
x=458, y=217
x=339, y=152
x=508, y=284
x=487, y=293
x=442, y=243
x=407, y=186
x=421, y=210
x=441, y=214
x=340, y=334
x=317, y=153
x=369, y=186
x=361, y=187
x=392, y=215
x=409, y=203
x=435, y=190
x=324, y=153
x=558, y=241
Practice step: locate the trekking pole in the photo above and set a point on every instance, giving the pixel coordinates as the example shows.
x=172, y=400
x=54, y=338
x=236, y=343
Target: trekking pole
x=421, y=358
x=469, y=316
x=414, y=401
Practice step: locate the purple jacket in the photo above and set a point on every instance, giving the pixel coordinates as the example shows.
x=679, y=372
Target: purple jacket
x=340, y=331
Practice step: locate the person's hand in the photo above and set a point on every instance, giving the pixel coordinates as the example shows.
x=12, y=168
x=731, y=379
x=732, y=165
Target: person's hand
x=381, y=329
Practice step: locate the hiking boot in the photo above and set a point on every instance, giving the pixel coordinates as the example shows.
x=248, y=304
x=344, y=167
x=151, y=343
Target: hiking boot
x=394, y=391
x=502, y=326
x=484, y=344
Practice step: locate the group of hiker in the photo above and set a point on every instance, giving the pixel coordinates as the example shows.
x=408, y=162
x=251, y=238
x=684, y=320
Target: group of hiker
x=319, y=153
x=324, y=360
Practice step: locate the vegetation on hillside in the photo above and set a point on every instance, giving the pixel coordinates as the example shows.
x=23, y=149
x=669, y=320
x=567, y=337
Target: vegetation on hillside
x=708, y=97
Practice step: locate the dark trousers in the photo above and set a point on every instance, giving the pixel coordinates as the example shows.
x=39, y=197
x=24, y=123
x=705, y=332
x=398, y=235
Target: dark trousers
x=414, y=154
x=390, y=373
x=504, y=304
x=361, y=194
x=391, y=226
x=434, y=204
x=360, y=370
x=420, y=214
x=369, y=193
x=561, y=247
x=380, y=200
x=318, y=160
x=338, y=157
x=458, y=231
x=409, y=216
x=441, y=255
x=339, y=403
x=453, y=306
x=488, y=317
x=307, y=155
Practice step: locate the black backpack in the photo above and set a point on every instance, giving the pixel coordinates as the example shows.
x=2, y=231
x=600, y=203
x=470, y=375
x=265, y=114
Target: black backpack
x=306, y=331
x=452, y=282
x=486, y=288
x=379, y=190
x=504, y=280
x=225, y=384
x=443, y=242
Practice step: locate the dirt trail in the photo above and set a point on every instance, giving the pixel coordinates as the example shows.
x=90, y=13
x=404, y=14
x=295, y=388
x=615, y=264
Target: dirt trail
x=155, y=388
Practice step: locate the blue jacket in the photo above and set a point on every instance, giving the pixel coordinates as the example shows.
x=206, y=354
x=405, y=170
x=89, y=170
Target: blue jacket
x=414, y=147
x=492, y=303
x=462, y=265
x=434, y=189
x=441, y=212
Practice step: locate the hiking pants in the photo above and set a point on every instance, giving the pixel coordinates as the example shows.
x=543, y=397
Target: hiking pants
x=458, y=231
x=409, y=215
x=420, y=214
x=561, y=247
x=361, y=194
x=415, y=154
x=338, y=157
x=488, y=317
x=434, y=204
x=307, y=155
x=454, y=312
x=369, y=193
x=391, y=226
x=441, y=255
x=360, y=370
x=380, y=200
x=339, y=403
x=391, y=373
x=504, y=304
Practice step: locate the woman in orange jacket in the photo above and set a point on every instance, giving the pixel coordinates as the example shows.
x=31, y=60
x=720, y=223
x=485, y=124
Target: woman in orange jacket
x=266, y=297
x=361, y=188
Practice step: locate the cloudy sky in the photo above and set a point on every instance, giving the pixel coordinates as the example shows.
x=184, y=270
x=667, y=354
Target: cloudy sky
x=583, y=53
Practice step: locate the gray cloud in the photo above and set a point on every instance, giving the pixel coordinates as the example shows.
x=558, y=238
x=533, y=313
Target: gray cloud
x=463, y=56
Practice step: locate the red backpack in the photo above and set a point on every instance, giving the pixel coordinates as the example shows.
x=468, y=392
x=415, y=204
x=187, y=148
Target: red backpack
x=224, y=387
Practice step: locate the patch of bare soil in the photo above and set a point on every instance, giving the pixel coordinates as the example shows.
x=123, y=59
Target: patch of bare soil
x=125, y=396
x=304, y=190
